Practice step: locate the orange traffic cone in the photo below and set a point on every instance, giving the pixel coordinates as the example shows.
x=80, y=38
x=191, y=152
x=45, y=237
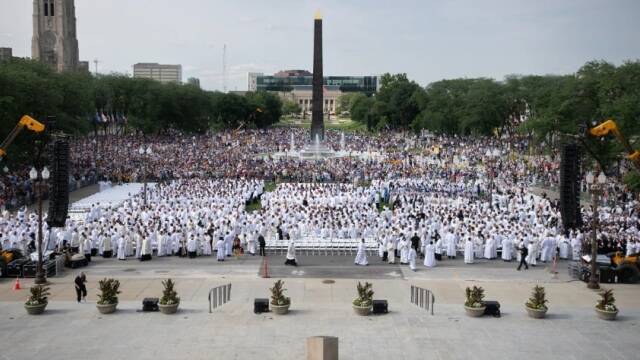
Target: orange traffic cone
x=16, y=285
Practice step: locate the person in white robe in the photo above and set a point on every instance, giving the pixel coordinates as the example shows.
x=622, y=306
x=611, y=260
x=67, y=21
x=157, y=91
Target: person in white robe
x=146, y=249
x=546, y=250
x=206, y=247
x=192, y=247
x=391, y=250
x=381, y=248
x=565, y=248
x=162, y=242
x=403, y=247
x=105, y=246
x=468, y=251
x=220, y=249
x=430, y=255
x=128, y=246
x=121, y=249
x=291, y=254
x=488, y=248
x=507, y=248
x=412, y=258
x=87, y=248
x=451, y=245
x=533, y=253
x=361, y=255
x=138, y=238
x=251, y=244
x=228, y=244
x=576, y=247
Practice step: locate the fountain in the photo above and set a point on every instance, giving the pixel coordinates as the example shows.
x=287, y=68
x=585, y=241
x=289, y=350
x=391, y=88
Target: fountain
x=342, y=149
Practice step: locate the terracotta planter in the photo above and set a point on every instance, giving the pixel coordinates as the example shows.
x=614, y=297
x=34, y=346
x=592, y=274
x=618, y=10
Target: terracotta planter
x=35, y=309
x=280, y=309
x=536, y=313
x=474, y=312
x=107, y=308
x=362, y=310
x=606, y=315
x=168, y=309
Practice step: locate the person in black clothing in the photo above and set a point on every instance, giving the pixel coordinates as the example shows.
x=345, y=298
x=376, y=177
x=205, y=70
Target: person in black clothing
x=415, y=242
x=523, y=257
x=81, y=289
x=262, y=244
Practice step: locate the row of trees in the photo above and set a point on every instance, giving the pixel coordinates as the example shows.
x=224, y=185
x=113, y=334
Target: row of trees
x=28, y=87
x=551, y=104
x=546, y=108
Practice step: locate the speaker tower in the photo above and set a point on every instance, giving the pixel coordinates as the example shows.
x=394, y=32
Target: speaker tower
x=570, y=186
x=59, y=184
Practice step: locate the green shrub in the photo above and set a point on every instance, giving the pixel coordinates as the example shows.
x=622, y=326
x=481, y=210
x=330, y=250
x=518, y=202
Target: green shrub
x=109, y=290
x=475, y=297
x=365, y=295
x=39, y=295
x=169, y=295
x=538, y=299
x=277, y=294
x=607, y=302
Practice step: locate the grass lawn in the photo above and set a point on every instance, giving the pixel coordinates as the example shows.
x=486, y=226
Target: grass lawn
x=253, y=206
x=269, y=186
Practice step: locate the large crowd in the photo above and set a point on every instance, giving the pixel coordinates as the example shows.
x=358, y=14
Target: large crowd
x=436, y=196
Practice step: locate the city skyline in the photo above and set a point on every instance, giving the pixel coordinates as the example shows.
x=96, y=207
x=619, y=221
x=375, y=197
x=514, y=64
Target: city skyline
x=429, y=41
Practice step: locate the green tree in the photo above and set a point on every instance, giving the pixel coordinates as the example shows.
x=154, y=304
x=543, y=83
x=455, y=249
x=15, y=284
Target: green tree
x=290, y=107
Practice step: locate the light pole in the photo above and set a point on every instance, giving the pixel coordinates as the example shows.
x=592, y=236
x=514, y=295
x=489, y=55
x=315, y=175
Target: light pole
x=492, y=156
x=595, y=186
x=142, y=153
x=39, y=179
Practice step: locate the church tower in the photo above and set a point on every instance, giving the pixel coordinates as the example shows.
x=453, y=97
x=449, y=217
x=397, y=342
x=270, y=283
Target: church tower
x=54, y=34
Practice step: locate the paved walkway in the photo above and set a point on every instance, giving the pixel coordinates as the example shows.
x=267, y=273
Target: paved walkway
x=76, y=331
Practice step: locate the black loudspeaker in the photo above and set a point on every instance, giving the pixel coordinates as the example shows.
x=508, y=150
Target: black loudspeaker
x=150, y=304
x=59, y=184
x=492, y=308
x=380, y=307
x=570, y=186
x=260, y=306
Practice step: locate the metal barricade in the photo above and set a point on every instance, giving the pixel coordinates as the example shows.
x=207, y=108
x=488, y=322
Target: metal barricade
x=423, y=298
x=219, y=296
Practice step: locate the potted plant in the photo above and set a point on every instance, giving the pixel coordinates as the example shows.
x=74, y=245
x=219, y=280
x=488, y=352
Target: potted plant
x=537, y=304
x=474, y=305
x=279, y=303
x=169, y=301
x=108, y=297
x=606, y=308
x=38, y=300
x=362, y=304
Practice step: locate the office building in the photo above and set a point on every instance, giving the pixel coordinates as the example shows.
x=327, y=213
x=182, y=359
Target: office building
x=158, y=72
x=296, y=85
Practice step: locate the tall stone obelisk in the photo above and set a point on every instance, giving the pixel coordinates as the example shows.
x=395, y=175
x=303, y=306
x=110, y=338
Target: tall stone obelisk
x=317, y=98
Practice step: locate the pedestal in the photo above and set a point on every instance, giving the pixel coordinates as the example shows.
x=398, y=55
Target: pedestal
x=322, y=348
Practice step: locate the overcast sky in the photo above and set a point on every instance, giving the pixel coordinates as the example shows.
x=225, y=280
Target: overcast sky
x=429, y=40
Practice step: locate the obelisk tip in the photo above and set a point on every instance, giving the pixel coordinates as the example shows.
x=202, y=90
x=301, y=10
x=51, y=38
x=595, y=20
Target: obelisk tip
x=318, y=15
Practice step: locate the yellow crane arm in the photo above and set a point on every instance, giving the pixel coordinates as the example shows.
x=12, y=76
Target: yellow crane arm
x=610, y=126
x=26, y=121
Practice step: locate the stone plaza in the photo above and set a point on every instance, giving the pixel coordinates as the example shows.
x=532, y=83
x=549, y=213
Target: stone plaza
x=69, y=330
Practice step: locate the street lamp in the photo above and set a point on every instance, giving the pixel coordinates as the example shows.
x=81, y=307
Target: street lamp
x=142, y=153
x=40, y=181
x=491, y=156
x=596, y=186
